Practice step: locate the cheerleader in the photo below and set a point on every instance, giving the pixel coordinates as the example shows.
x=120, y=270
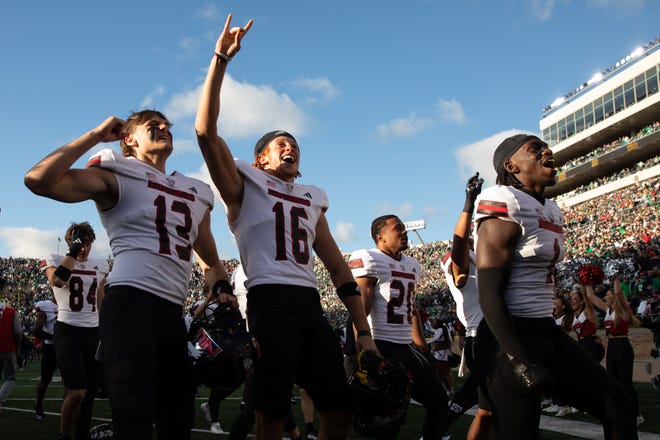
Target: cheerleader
x=620, y=355
x=584, y=325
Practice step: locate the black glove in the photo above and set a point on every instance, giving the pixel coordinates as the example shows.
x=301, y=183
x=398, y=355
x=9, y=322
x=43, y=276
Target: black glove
x=77, y=241
x=472, y=190
x=222, y=286
x=532, y=376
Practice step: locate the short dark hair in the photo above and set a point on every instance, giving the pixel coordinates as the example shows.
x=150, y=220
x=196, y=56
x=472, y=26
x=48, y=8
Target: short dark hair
x=84, y=230
x=378, y=224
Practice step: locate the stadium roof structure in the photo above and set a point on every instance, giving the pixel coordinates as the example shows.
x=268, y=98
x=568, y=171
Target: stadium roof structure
x=608, y=124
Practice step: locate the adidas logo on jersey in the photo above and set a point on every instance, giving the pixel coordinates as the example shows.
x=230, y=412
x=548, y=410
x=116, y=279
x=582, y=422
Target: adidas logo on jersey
x=193, y=189
x=308, y=195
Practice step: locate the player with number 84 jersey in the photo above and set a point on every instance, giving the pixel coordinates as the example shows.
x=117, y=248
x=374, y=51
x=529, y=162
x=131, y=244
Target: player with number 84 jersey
x=76, y=300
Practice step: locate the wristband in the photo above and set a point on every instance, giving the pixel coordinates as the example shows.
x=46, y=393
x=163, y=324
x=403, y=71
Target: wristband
x=348, y=289
x=222, y=56
x=222, y=286
x=63, y=273
x=363, y=333
x=469, y=206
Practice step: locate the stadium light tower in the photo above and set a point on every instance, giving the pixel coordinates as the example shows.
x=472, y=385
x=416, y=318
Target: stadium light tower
x=415, y=226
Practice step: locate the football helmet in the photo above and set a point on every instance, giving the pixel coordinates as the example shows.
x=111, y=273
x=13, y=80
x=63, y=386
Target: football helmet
x=220, y=348
x=381, y=392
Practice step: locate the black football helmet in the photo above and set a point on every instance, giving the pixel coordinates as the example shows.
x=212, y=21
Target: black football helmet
x=220, y=348
x=381, y=392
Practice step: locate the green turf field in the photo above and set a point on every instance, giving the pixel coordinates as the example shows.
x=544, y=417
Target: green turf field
x=18, y=422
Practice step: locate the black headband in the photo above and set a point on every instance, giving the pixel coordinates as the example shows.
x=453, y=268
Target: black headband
x=508, y=148
x=265, y=140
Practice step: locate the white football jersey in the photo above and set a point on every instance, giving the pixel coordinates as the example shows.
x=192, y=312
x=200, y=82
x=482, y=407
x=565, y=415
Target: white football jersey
x=530, y=290
x=50, y=310
x=153, y=225
x=466, y=298
x=76, y=300
x=394, y=295
x=276, y=228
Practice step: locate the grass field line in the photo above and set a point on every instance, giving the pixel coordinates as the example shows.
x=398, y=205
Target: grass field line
x=575, y=428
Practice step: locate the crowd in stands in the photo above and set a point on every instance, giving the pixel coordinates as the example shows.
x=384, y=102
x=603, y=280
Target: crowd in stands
x=619, y=230
x=599, y=151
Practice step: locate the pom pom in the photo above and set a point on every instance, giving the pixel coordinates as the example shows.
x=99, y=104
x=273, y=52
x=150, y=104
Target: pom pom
x=622, y=267
x=590, y=274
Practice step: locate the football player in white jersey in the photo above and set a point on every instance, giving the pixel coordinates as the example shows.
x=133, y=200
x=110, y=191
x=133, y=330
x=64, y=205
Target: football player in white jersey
x=44, y=329
x=154, y=221
x=459, y=268
x=77, y=282
x=278, y=226
x=521, y=352
x=387, y=279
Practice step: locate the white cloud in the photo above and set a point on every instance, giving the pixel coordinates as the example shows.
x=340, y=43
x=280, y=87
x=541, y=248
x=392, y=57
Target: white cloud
x=402, y=127
x=478, y=156
x=246, y=110
x=344, y=232
x=319, y=89
x=451, y=111
x=148, y=100
x=36, y=243
x=430, y=211
x=542, y=9
x=209, y=12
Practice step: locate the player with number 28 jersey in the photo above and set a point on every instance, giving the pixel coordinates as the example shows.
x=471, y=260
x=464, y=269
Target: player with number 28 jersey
x=391, y=313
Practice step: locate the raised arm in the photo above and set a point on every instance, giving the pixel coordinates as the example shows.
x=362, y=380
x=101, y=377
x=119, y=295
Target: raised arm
x=591, y=298
x=54, y=178
x=588, y=306
x=460, y=249
x=215, y=150
x=624, y=306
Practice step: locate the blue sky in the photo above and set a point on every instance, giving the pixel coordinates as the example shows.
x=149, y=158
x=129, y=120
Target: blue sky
x=394, y=103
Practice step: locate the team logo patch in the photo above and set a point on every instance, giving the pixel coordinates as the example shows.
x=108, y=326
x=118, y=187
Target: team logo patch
x=289, y=187
x=170, y=182
x=205, y=343
x=493, y=208
x=356, y=264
